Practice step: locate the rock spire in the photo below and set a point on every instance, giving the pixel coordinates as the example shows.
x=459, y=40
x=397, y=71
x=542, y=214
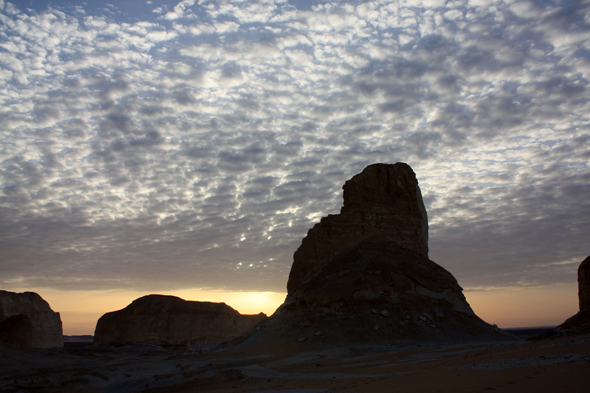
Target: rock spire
x=384, y=200
x=363, y=276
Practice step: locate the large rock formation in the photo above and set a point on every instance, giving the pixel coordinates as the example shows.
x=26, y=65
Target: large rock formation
x=27, y=321
x=172, y=322
x=383, y=200
x=363, y=276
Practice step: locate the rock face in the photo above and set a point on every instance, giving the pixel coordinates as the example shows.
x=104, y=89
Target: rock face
x=377, y=268
x=27, y=321
x=363, y=276
x=172, y=322
x=383, y=200
x=584, y=283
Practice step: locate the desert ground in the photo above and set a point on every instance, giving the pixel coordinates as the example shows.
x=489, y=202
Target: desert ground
x=559, y=365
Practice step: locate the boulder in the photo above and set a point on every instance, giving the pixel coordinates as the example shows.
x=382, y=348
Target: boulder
x=385, y=200
x=174, y=323
x=27, y=321
x=364, y=277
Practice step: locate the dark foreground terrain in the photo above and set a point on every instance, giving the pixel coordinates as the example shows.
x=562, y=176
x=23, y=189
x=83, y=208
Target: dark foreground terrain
x=559, y=365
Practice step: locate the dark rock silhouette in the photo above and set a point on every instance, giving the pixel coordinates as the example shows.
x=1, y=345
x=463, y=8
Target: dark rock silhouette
x=584, y=283
x=363, y=276
x=580, y=322
x=172, y=322
x=27, y=321
x=382, y=200
x=378, y=268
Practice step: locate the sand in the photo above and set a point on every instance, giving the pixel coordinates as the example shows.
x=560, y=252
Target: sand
x=560, y=365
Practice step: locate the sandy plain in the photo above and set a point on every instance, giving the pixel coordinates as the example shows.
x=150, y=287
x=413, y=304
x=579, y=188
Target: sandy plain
x=559, y=365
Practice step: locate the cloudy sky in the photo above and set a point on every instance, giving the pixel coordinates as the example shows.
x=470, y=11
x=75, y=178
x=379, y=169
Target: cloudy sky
x=161, y=146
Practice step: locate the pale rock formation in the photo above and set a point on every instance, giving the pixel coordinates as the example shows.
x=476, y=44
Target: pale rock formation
x=383, y=200
x=27, y=321
x=363, y=276
x=172, y=322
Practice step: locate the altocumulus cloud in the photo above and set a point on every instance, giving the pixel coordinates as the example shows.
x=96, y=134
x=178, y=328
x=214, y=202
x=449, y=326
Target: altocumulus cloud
x=194, y=145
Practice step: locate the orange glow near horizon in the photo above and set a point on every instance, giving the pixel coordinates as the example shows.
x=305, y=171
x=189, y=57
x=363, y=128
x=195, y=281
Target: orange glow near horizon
x=505, y=307
x=525, y=306
x=80, y=310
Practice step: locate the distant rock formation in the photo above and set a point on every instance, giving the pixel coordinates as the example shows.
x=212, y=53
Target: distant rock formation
x=584, y=283
x=383, y=200
x=580, y=322
x=172, y=322
x=363, y=276
x=27, y=321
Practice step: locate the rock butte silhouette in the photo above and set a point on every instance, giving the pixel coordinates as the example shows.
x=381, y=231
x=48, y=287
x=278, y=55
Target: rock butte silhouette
x=27, y=321
x=364, y=277
x=382, y=200
x=580, y=322
x=174, y=323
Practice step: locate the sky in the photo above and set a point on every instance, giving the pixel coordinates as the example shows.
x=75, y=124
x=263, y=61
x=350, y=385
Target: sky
x=186, y=147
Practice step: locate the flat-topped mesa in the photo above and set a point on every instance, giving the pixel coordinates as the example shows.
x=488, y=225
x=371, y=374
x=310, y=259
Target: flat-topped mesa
x=172, y=322
x=27, y=321
x=384, y=200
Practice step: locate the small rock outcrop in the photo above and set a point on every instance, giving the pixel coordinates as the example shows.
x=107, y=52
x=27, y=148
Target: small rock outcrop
x=174, y=323
x=364, y=277
x=27, y=321
x=385, y=200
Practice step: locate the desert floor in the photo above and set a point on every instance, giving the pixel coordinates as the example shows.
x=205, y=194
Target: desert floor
x=559, y=365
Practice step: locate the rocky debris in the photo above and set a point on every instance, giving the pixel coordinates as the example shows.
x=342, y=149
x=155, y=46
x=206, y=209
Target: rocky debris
x=382, y=200
x=27, y=321
x=172, y=322
x=363, y=276
x=580, y=322
x=584, y=283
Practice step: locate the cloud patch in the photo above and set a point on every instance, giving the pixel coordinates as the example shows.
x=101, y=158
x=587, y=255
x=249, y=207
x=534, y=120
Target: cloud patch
x=162, y=152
